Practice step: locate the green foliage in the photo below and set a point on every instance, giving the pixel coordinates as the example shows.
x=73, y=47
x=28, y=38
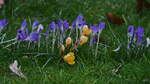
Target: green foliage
x=88, y=69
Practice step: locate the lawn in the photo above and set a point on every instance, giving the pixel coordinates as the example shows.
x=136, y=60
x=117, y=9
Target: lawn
x=133, y=66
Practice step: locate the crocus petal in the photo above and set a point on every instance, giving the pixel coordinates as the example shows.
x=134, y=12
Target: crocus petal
x=94, y=28
x=60, y=26
x=34, y=36
x=130, y=31
x=24, y=24
x=40, y=28
x=66, y=25
x=3, y=23
x=35, y=24
x=101, y=26
x=47, y=35
x=79, y=22
x=52, y=26
x=21, y=35
x=140, y=33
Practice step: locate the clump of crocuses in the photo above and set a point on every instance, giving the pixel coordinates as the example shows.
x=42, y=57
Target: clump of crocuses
x=61, y=34
x=136, y=37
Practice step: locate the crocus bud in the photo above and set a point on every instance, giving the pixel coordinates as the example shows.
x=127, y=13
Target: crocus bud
x=86, y=30
x=62, y=48
x=83, y=40
x=68, y=41
x=69, y=58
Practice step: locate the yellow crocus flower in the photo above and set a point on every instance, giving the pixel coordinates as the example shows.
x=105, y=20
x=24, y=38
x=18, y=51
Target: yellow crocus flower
x=86, y=30
x=83, y=40
x=69, y=58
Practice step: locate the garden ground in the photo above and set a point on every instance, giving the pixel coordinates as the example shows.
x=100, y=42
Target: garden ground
x=135, y=68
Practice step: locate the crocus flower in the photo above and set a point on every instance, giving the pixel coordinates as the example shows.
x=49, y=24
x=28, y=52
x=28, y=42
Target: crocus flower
x=66, y=24
x=140, y=33
x=35, y=24
x=94, y=28
x=86, y=30
x=63, y=25
x=52, y=26
x=24, y=24
x=3, y=23
x=21, y=34
x=101, y=26
x=79, y=22
x=62, y=48
x=40, y=28
x=68, y=41
x=83, y=40
x=47, y=35
x=33, y=37
x=130, y=31
x=69, y=58
x=60, y=25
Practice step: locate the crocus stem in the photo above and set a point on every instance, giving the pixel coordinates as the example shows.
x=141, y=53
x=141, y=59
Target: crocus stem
x=77, y=34
x=18, y=45
x=53, y=41
x=96, y=51
x=29, y=44
x=39, y=44
x=47, y=46
x=91, y=40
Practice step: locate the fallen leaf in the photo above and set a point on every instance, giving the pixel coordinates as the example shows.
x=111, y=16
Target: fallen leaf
x=114, y=18
x=17, y=70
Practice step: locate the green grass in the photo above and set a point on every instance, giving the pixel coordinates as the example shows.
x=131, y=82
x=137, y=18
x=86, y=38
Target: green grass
x=88, y=69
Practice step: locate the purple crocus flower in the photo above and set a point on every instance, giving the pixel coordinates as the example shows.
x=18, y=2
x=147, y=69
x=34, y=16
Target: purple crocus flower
x=3, y=23
x=34, y=36
x=94, y=28
x=35, y=24
x=60, y=25
x=130, y=31
x=47, y=35
x=101, y=26
x=40, y=28
x=52, y=26
x=139, y=34
x=24, y=24
x=65, y=24
x=21, y=34
x=79, y=22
